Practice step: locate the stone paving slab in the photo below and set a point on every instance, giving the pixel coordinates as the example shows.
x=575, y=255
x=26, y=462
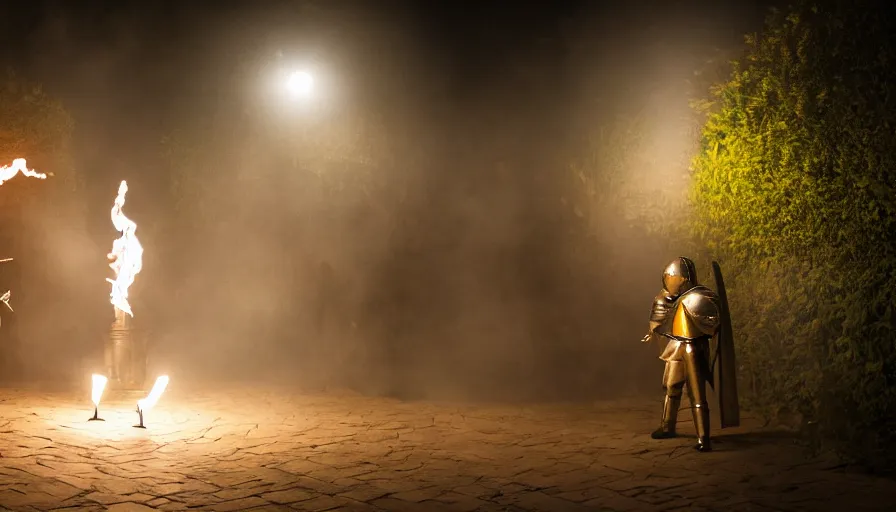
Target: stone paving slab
x=268, y=449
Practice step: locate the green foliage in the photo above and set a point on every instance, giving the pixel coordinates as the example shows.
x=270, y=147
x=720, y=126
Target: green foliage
x=795, y=193
x=634, y=170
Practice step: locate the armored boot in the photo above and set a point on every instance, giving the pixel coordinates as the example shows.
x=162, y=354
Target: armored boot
x=670, y=416
x=701, y=423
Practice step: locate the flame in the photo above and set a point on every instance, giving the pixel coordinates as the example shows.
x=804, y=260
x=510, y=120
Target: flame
x=126, y=255
x=18, y=166
x=99, y=385
x=157, y=389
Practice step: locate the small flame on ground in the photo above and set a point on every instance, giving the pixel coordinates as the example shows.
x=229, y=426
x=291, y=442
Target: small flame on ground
x=99, y=385
x=126, y=255
x=158, y=388
x=18, y=166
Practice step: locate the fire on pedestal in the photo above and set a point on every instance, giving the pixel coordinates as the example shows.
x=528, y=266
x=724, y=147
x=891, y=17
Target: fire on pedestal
x=125, y=346
x=125, y=353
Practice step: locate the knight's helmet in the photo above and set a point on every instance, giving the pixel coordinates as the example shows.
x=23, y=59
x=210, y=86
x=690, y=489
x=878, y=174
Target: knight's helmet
x=679, y=276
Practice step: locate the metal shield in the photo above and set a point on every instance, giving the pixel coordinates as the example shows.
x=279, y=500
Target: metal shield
x=726, y=373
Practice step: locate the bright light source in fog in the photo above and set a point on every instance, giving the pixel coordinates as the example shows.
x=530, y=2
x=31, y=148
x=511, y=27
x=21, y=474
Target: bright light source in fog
x=300, y=83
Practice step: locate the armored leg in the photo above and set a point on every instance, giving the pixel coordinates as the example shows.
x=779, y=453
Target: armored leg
x=670, y=417
x=673, y=381
x=696, y=381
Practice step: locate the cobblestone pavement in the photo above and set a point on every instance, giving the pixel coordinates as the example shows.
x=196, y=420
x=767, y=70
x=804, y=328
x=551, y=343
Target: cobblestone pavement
x=264, y=449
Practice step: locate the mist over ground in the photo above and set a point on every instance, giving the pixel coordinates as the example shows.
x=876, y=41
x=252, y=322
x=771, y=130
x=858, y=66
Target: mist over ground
x=469, y=207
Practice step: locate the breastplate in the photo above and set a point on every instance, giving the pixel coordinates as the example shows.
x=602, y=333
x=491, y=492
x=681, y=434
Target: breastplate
x=693, y=316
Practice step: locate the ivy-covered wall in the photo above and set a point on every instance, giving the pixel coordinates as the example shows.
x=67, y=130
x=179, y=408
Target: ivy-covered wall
x=795, y=193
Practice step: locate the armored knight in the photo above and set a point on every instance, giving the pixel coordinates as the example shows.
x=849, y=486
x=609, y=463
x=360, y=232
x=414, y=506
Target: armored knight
x=689, y=316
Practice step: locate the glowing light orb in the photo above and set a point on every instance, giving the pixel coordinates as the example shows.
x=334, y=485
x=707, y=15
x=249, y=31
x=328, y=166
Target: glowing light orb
x=300, y=83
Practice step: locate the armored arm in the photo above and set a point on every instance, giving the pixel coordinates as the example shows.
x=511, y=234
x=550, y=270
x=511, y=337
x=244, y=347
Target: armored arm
x=662, y=304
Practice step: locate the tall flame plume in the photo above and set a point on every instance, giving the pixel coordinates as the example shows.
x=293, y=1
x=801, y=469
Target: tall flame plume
x=126, y=255
x=18, y=166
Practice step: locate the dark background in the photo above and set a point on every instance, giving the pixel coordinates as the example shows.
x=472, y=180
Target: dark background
x=463, y=269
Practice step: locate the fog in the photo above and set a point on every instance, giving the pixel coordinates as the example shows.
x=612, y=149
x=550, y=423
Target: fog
x=471, y=205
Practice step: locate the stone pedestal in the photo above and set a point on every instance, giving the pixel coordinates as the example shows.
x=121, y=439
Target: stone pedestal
x=125, y=354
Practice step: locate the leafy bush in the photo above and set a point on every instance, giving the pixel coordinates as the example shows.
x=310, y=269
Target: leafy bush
x=795, y=192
